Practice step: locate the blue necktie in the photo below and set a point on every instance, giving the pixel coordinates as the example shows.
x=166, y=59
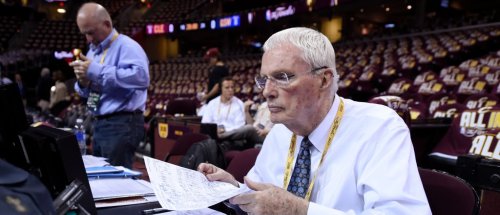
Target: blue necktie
x=299, y=182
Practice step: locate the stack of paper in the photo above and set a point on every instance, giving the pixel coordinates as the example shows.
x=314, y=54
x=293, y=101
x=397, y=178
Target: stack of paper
x=114, y=192
x=119, y=188
x=114, y=186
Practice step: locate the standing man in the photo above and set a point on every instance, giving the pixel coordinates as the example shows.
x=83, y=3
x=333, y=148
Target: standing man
x=217, y=71
x=325, y=154
x=114, y=78
x=226, y=110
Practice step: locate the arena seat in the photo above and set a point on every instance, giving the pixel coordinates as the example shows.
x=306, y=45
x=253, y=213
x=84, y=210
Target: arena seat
x=242, y=162
x=448, y=194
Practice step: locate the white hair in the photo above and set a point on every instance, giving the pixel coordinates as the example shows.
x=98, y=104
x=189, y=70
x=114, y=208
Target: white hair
x=316, y=49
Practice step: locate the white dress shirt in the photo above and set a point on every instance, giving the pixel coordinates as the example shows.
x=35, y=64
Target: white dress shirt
x=263, y=117
x=370, y=167
x=231, y=115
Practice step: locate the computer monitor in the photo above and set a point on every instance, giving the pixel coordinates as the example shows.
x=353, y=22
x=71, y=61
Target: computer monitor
x=53, y=156
x=12, y=122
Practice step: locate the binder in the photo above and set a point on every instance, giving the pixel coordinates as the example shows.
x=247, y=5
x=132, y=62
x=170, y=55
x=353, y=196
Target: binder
x=102, y=170
x=121, y=172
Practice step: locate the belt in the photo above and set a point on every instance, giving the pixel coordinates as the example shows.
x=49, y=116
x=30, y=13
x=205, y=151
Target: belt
x=119, y=113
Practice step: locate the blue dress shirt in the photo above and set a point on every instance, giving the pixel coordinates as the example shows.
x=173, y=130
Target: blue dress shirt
x=123, y=77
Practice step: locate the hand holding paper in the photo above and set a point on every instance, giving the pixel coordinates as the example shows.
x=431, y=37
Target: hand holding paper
x=178, y=188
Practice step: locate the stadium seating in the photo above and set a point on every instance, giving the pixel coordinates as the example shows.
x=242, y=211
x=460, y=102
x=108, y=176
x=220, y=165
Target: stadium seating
x=448, y=194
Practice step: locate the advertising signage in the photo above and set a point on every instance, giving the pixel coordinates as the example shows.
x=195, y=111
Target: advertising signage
x=159, y=28
x=226, y=22
x=219, y=23
x=279, y=12
x=156, y=29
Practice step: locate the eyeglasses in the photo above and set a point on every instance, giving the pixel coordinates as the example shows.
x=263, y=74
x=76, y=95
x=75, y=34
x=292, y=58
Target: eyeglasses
x=280, y=79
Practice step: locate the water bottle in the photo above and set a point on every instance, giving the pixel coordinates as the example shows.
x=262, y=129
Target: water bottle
x=80, y=136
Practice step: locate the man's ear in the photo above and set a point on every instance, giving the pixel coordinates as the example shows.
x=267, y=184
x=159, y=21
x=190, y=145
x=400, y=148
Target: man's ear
x=108, y=24
x=327, y=78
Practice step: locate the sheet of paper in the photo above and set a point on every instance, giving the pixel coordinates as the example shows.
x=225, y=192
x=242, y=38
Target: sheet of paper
x=118, y=188
x=178, y=188
x=92, y=161
x=205, y=211
x=125, y=201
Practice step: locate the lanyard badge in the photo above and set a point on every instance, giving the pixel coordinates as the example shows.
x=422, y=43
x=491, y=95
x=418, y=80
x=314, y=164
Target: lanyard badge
x=93, y=101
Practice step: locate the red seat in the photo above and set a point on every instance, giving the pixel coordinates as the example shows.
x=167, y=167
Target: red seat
x=471, y=86
x=229, y=155
x=447, y=111
x=397, y=104
x=460, y=137
x=242, y=163
x=481, y=100
x=440, y=99
x=400, y=86
x=165, y=135
x=448, y=194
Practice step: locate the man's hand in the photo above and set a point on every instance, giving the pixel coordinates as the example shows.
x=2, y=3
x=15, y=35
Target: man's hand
x=262, y=132
x=214, y=173
x=204, y=98
x=247, y=105
x=269, y=199
x=80, y=67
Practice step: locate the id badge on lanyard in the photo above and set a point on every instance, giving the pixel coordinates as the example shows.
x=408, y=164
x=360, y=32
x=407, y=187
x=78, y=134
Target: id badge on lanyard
x=93, y=101
x=94, y=97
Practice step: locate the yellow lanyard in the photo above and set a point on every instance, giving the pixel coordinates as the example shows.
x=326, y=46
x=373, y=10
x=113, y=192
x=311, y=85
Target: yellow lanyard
x=228, y=110
x=106, y=50
x=291, y=150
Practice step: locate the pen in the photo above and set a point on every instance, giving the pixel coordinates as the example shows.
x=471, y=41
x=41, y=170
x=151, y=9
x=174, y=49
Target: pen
x=154, y=211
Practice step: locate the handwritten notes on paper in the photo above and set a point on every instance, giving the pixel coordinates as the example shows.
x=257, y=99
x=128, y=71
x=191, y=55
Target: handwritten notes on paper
x=178, y=188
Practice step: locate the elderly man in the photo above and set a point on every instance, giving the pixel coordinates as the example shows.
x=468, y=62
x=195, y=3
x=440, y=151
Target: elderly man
x=326, y=154
x=114, y=78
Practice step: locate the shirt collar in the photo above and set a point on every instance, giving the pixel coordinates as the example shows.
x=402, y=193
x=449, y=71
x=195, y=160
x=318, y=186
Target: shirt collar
x=105, y=43
x=320, y=134
x=228, y=102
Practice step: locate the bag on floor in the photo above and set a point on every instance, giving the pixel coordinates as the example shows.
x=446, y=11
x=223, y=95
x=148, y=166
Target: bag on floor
x=207, y=151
